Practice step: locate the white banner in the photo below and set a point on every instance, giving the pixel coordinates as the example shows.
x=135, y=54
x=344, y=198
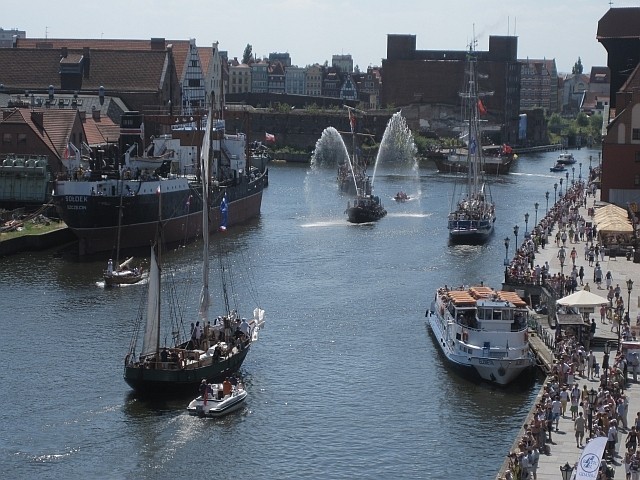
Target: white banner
x=589, y=462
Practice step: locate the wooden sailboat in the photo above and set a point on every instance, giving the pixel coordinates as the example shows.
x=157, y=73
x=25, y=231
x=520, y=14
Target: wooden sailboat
x=179, y=368
x=121, y=273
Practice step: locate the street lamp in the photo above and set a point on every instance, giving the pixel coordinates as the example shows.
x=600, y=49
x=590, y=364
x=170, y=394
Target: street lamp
x=515, y=232
x=592, y=396
x=561, y=186
x=526, y=225
x=590, y=162
x=555, y=192
x=580, y=173
x=629, y=288
x=506, y=250
x=546, y=195
x=567, y=177
x=605, y=363
x=573, y=174
x=536, y=205
x=566, y=471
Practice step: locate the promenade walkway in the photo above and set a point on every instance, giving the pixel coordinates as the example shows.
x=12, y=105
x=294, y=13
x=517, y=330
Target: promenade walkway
x=563, y=447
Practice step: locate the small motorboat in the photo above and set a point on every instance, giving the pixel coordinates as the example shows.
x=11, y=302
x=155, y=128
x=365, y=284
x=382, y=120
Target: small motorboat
x=558, y=167
x=217, y=399
x=401, y=197
x=566, y=158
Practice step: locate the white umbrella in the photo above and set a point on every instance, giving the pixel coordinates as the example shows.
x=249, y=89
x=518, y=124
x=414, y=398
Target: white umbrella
x=582, y=298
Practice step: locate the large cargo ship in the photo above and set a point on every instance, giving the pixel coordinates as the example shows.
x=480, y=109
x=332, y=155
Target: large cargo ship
x=166, y=179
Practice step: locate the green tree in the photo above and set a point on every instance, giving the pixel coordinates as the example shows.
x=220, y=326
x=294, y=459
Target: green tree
x=577, y=67
x=248, y=53
x=582, y=120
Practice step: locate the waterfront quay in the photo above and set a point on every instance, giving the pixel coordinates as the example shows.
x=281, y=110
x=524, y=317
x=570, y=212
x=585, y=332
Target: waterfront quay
x=563, y=448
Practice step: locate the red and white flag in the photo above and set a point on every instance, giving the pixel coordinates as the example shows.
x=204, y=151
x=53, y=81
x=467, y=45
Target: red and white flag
x=269, y=138
x=352, y=121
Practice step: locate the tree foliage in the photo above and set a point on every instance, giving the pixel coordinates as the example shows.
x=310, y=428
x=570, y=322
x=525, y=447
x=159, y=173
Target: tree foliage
x=248, y=53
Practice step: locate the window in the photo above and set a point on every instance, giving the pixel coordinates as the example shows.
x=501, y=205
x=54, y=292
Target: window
x=7, y=138
x=635, y=134
x=194, y=82
x=22, y=138
x=637, y=159
x=636, y=180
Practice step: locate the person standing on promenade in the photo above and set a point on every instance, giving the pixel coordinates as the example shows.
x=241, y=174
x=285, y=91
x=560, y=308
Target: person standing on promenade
x=581, y=275
x=564, y=399
x=573, y=256
x=608, y=279
x=579, y=424
x=534, y=458
x=591, y=362
x=603, y=313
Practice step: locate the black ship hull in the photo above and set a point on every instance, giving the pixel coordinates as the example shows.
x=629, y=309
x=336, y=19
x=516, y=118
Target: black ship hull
x=94, y=217
x=177, y=381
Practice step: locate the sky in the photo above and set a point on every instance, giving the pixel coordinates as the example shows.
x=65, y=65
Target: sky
x=311, y=31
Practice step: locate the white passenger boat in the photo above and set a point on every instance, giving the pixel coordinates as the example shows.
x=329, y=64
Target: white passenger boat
x=216, y=401
x=483, y=332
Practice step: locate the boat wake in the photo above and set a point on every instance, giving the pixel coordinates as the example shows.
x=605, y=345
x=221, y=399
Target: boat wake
x=326, y=223
x=411, y=215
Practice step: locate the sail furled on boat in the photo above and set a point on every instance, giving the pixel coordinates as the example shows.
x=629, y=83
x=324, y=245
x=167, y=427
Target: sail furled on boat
x=152, y=328
x=205, y=163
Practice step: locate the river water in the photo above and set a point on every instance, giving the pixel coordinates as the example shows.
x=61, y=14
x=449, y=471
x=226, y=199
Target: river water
x=345, y=382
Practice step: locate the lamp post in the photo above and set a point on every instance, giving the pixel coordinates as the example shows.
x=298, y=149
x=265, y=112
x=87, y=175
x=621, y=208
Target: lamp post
x=580, y=172
x=546, y=195
x=566, y=471
x=561, y=186
x=573, y=174
x=605, y=363
x=555, y=192
x=629, y=288
x=515, y=232
x=592, y=396
x=535, y=206
x=590, y=158
x=566, y=175
x=506, y=250
x=526, y=225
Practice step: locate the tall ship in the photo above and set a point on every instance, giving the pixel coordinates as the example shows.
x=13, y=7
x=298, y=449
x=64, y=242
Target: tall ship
x=100, y=199
x=211, y=350
x=482, y=332
x=473, y=215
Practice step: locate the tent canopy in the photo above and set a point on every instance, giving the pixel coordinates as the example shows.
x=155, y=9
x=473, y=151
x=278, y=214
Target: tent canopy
x=582, y=298
x=612, y=219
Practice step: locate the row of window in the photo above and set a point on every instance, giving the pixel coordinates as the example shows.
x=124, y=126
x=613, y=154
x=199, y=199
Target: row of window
x=7, y=138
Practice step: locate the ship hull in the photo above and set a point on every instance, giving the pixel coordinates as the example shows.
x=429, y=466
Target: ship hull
x=94, y=217
x=459, y=165
x=498, y=371
x=180, y=381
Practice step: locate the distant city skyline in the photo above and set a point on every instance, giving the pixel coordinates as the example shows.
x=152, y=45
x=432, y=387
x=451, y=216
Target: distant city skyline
x=312, y=31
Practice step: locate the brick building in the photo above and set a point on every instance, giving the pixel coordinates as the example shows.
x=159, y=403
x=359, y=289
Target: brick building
x=436, y=77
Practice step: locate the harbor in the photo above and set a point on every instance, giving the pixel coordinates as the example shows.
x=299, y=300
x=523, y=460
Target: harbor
x=345, y=323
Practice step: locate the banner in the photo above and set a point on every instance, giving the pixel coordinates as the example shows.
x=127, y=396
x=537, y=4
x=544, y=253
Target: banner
x=589, y=462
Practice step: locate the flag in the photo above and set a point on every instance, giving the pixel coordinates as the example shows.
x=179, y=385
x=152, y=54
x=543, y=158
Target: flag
x=269, y=138
x=590, y=459
x=352, y=121
x=224, y=208
x=472, y=145
x=481, y=107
